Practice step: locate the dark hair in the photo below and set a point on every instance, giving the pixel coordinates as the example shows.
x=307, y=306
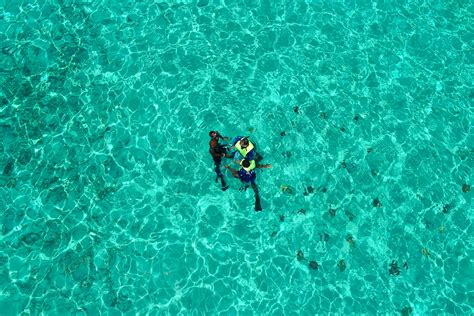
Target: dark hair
x=210, y=133
x=246, y=163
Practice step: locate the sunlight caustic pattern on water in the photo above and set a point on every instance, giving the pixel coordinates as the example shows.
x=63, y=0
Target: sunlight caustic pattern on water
x=107, y=192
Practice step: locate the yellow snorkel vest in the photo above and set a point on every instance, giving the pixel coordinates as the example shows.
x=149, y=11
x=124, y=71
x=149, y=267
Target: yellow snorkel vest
x=251, y=167
x=244, y=151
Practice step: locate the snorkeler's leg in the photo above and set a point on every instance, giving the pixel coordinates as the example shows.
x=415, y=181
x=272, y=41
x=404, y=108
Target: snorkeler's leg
x=258, y=207
x=217, y=169
x=224, y=185
x=220, y=175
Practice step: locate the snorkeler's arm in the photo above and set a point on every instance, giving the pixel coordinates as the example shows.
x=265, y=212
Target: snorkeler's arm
x=266, y=166
x=222, y=137
x=234, y=172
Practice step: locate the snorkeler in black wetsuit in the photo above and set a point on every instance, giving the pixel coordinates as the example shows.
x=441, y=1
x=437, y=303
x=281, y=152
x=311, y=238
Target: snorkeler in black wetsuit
x=218, y=151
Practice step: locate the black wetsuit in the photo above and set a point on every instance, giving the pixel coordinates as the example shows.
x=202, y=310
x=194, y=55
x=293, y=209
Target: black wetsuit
x=216, y=151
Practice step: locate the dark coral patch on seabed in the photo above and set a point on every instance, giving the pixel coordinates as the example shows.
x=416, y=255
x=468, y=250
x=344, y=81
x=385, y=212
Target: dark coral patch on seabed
x=394, y=269
x=341, y=265
x=299, y=255
x=313, y=265
x=466, y=188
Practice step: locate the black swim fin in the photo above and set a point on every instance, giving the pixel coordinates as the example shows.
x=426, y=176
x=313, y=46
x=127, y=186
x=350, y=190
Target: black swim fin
x=258, y=207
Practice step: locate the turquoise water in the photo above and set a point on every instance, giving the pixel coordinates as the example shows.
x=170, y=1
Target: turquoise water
x=107, y=192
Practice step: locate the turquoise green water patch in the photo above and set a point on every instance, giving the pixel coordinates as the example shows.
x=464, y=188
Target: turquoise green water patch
x=108, y=195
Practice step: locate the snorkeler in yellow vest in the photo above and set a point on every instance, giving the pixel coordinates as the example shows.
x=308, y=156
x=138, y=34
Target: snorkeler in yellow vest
x=247, y=175
x=245, y=148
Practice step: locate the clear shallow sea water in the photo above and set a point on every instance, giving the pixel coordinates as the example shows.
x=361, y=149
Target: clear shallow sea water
x=107, y=192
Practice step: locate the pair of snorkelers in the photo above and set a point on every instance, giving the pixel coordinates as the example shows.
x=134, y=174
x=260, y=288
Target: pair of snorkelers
x=247, y=158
